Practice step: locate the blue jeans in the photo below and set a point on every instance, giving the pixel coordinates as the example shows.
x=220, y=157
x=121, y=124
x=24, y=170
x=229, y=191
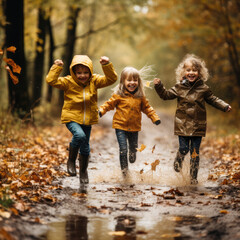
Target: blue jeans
x=81, y=135
x=189, y=143
x=126, y=140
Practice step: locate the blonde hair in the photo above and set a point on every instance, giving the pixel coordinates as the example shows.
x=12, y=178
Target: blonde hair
x=140, y=75
x=197, y=62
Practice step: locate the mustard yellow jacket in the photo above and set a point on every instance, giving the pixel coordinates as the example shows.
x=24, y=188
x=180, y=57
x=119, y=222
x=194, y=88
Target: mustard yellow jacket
x=128, y=114
x=80, y=101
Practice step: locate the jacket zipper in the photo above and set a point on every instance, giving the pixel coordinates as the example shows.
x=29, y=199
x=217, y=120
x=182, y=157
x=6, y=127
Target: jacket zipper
x=84, y=106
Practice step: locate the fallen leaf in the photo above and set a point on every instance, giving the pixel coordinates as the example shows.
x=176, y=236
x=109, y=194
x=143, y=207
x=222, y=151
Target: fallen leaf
x=153, y=148
x=154, y=165
x=171, y=235
x=5, y=214
x=141, y=148
x=117, y=233
x=224, y=211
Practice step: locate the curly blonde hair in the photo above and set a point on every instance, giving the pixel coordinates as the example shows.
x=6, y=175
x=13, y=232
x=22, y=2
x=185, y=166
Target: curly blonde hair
x=197, y=62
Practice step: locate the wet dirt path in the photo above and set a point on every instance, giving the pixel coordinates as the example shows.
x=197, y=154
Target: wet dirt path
x=147, y=204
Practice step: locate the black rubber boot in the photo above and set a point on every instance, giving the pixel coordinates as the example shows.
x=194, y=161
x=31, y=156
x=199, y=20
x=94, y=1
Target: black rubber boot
x=132, y=157
x=194, y=165
x=124, y=163
x=83, y=173
x=178, y=162
x=71, y=163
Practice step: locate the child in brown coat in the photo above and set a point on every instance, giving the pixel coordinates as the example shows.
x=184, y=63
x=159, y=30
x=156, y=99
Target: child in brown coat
x=190, y=118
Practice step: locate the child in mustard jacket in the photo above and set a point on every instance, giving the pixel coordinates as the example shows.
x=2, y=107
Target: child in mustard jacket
x=129, y=101
x=80, y=109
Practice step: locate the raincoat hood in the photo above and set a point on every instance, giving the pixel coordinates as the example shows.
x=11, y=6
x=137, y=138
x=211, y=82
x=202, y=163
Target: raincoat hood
x=83, y=60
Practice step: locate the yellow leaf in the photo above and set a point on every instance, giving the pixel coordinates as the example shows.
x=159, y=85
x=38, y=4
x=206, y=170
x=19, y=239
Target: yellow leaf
x=148, y=84
x=117, y=233
x=141, y=148
x=171, y=235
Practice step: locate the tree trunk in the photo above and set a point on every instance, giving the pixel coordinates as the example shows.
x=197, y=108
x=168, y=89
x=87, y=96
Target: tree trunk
x=18, y=94
x=69, y=49
x=50, y=57
x=39, y=59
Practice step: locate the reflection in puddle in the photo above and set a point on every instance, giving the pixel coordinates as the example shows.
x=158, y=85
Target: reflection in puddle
x=123, y=227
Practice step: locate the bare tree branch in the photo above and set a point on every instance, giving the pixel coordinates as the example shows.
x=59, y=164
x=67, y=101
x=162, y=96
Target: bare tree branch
x=92, y=31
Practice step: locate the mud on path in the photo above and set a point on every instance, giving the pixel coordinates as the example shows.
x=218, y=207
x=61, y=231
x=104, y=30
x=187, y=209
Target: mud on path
x=148, y=204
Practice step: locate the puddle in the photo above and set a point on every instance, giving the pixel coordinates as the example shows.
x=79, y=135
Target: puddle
x=123, y=227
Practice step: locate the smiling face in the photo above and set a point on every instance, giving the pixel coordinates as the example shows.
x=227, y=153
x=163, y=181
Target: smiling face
x=131, y=83
x=82, y=73
x=190, y=72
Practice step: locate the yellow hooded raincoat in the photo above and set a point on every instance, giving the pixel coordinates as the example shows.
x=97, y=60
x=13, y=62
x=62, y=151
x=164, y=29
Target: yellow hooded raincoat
x=80, y=101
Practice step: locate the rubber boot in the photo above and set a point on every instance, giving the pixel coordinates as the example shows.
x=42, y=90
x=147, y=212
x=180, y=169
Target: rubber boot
x=194, y=165
x=178, y=162
x=124, y=163
x=132, y=157
x=71, y=163
x=83, y=173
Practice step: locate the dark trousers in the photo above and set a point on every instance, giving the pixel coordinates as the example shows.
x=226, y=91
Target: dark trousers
x=126, y=140
x=191, y=144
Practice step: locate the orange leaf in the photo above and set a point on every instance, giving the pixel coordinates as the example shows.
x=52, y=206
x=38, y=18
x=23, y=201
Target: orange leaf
x=11, y=49
x=1, y=51
x=16, y=68
x=223, y=211
x=194, y=154
x=154, y=165
x=141, y=148
x=13, y=77
x=153, y=148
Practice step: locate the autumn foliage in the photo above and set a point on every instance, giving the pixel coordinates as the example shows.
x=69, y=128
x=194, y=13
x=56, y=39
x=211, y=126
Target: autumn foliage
x=11, y=66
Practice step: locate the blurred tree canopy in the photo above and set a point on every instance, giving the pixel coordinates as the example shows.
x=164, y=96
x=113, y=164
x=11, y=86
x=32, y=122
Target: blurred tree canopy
x=136, y=33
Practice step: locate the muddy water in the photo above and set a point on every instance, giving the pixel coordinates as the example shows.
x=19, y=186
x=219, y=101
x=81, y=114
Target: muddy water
x=121, y=227
x=140, y=205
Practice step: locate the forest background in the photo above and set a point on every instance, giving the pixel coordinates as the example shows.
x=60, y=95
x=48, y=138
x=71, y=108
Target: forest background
x=136, y=33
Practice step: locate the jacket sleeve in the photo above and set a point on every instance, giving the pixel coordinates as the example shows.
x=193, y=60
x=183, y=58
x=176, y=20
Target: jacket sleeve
x=216, y=102
x=53, y=78
x=109, y=105
x=164, y=93
x=109, y=78
x=149, y=111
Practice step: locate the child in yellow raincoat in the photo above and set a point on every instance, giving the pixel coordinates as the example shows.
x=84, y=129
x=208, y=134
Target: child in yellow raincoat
x=129, y=101
x=80, y=109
